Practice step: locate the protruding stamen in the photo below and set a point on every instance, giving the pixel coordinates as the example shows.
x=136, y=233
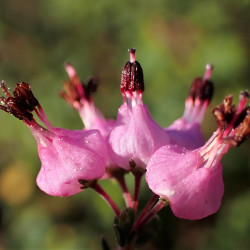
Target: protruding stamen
x=132, y=54
x=22, y=104
x=23, y=93
x=208, y=90
x=237, y=112
x=241, y=129
x=243, y=98
x=233, y=123
x=4, y=89
x=75, y=92
x=132, y=78
x=224, y=112
x=202, y=88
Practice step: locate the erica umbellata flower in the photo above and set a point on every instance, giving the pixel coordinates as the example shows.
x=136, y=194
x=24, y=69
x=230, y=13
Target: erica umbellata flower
x=135, y=135
x=186, y=131
x=66, y=156
x=78, y=95
x=180, y=169
x=191, y=180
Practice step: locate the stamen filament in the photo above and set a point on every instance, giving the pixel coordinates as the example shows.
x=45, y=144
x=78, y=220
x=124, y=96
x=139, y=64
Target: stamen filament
x=42, y=116
x=5, y=89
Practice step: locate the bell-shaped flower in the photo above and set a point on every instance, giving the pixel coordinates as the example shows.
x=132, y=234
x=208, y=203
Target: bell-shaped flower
x=186, y=131
x=67, y=157
x=135, y=136
x=79, y=96
x=191, y=180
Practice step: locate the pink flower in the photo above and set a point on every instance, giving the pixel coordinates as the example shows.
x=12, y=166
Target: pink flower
x=135, y=134
x=186, y=131
x=191, y=180
x=78, y=95
x=67, y=156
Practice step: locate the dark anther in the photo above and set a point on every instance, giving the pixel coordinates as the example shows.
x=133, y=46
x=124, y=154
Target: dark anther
x=132, y=76
x=75, y=90
x=201, y=89
x=4, y=89
x=208, y=90
x=195, y=85
x=244, y=94
x=133, y=50
x=242, y=131
x=23, y=102
x=224, y=112
x=242, y=116
x=23, y=93
x=90, y=87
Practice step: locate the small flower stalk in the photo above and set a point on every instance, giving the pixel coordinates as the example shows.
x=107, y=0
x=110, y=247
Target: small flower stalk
x=180, y=168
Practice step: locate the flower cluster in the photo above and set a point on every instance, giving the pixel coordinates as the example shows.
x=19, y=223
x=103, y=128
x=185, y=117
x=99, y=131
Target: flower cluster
x=180, y=168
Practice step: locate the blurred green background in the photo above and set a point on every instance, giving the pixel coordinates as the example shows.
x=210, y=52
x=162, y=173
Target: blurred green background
x=174, y=41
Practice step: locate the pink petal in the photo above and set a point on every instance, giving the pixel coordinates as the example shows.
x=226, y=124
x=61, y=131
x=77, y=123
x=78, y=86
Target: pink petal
x=185, y=134
x=135, y=136
x=68, y=157
x=193, y=191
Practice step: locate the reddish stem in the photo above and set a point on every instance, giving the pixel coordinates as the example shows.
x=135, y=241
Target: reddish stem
x=145, y=210
x=136, y=191
x=106, y=197
x=158, y=206
x=126, y=194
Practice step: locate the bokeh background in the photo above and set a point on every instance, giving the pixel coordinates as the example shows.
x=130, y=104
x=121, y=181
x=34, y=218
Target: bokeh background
x=174, y=41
